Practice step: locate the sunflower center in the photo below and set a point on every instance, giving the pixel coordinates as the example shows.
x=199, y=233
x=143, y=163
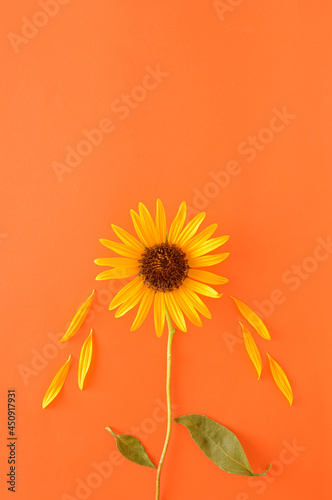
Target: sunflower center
x=163, y=267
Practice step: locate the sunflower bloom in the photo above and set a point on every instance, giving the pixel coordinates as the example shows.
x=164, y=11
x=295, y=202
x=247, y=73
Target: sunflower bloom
x=165, y=267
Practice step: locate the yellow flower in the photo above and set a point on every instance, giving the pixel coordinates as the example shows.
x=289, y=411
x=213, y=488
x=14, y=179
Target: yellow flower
x=165, y=266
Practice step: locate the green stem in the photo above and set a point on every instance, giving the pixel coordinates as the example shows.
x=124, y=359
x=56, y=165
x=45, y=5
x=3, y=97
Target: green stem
x=171, y=332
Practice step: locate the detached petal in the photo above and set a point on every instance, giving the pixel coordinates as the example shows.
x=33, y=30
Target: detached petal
x=56, y=384
x=281, y=380
x=253, y=319
x=85, y=360
x=78, y=320
x=252, y=350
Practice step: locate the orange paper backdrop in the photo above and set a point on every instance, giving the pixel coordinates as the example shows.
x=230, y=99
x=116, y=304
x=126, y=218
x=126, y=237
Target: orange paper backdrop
x=226, y=105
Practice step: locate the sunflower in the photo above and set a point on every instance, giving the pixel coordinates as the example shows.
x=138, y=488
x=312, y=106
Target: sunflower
x=165, y=266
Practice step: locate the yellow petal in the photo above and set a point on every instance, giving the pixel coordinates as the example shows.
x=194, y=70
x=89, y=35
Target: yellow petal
x=120, y=248
x=253, y=319
x=143, y=309
x=201, y=288
x=187, y=308
x=195, y=300
x=175, y=311
x=115, y=262
x=148, y=224
x=252, y=349
x=191, y=228
x=140, y=230
x=208, y=246
x=118, y=273
x=159, y=313
x=207, y=260
x=200, y=238
x=127, y=238
x=281, y=380
x=79, y=318
x=56, y=384
x=161, y=222
x=177, y=223
x=130, y=302
x=85, y=360
x=206, y=277
x=126, y=292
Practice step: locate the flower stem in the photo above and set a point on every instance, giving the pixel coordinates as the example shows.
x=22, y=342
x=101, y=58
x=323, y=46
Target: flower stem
x=171, y=332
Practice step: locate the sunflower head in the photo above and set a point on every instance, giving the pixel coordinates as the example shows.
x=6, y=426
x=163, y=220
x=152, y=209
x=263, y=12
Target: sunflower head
x=165, y=266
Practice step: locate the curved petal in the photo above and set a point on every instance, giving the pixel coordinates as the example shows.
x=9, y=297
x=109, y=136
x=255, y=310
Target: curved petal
x=148, y=224
x=252, y=318
x=121, y=249
x=138, y=228
x=200, y=238
x=187, y=308
x=161, y=222
x=85, y=360
x=126, y=292
x=208, y=246
x=175, y=311
x=117, y=273
x=78, y=319
x=143, y=309
x=56, y=384
x=207, y=260
x=206, y=277
x=127, y=238
x=159, y=313
x=201, y=288
x=252, y=349
x=191, y=228
x=196, y=301
x=177, y=223
x=281, y=379
x=115, y=262
x=130, y=302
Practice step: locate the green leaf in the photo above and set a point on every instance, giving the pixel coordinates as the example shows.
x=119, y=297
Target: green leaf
x=218, y=443
x=131, y=448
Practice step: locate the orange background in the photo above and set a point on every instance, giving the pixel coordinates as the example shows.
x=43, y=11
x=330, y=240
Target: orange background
x=225, y=76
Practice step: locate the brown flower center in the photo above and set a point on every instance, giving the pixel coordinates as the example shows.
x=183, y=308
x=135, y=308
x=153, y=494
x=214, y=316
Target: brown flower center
x=163, y=267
